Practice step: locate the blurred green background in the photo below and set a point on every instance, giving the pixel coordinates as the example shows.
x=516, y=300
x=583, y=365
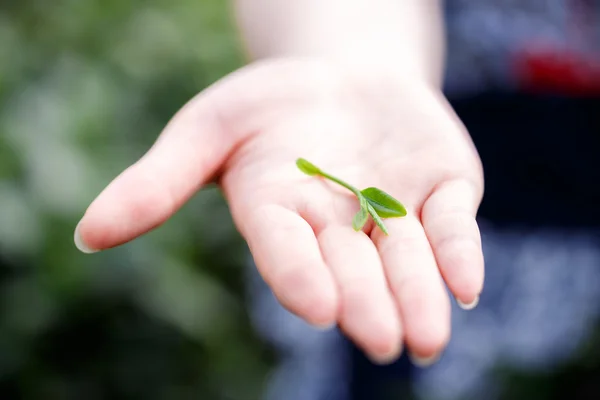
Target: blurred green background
x=85, y=88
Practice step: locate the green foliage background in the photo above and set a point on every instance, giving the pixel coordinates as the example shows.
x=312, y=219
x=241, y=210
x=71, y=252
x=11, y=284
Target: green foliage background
x=85, y=88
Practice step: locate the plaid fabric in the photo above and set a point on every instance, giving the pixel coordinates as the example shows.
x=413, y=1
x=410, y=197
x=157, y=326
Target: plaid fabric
x=534, y=45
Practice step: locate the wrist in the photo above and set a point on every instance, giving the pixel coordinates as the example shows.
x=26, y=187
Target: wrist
x=387, y=35
x=393, y=65
x=367, y=64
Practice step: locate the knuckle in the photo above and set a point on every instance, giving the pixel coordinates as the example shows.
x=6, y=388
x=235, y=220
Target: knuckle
x=293, y=278
x=451, y=227
x=396, y=245
x=356, y=292
x=410, y=286
x=301, y=293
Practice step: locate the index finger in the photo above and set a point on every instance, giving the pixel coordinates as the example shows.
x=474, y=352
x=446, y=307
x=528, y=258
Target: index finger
x=145, y=195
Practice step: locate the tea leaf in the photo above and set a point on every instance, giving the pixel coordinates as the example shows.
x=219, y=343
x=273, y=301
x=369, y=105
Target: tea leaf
x=385, y=205
x=307, y=167
x=376, y=218
x=373, y=201
x=361, y=217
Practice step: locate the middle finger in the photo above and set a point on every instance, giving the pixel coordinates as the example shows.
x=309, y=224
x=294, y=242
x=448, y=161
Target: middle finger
x=368, y=313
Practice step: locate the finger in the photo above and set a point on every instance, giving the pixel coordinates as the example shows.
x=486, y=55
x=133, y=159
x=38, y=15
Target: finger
x=187, y=154
x=288, y=257
x=368, y=313
x=191, y=149
x=448, y=217
x=417, y=286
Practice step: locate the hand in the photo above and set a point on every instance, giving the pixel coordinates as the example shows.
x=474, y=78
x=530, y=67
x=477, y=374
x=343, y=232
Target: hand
x=368, y=128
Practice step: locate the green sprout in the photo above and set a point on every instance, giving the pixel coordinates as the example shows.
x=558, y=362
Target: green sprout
x=373, y=201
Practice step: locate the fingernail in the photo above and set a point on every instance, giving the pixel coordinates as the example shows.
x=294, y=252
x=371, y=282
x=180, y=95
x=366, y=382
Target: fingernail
x=424, y=362
x=468, y=306
x=80, y=244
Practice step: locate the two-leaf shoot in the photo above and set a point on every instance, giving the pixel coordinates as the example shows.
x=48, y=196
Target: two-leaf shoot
x=373, y=201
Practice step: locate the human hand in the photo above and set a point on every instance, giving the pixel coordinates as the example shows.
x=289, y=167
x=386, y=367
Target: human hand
x=368, y=128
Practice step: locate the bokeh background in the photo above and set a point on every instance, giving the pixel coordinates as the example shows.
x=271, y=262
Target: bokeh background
x=85, y=88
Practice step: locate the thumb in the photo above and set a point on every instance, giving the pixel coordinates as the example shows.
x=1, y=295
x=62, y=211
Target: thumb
x=195, y=145
x=186, y=155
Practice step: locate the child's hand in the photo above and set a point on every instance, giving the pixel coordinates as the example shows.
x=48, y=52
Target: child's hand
x=367, y=128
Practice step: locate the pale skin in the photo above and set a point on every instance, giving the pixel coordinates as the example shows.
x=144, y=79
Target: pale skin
x=353, y=86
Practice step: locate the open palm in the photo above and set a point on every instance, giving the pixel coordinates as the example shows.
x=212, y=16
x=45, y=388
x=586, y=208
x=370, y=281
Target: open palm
x=247, y=131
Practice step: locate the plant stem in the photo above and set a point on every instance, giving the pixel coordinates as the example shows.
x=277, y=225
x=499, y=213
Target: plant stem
x=342, y=183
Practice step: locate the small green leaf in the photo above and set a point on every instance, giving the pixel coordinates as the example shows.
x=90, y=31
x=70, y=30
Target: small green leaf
x=373, y=201
x=307, y=167
x=385, y=205
x=376, y=218
x=361, y=217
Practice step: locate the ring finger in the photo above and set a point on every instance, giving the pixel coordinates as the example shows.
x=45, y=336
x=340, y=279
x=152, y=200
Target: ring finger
x=417, y=286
